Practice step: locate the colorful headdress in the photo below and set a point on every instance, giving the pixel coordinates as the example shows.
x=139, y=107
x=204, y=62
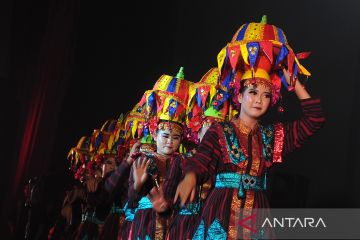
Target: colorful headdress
x=134, y=122
x=103, y=141
x=120, y=145
x=166, y=103
x=95, y=140
x=202, y=93
x=200, y=110
x=260, y=50
x=79, y=158
x=107, y=131
x=80, y=153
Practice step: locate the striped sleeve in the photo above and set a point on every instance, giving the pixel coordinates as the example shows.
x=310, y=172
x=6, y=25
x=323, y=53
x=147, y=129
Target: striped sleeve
x=133, y=196
x=173, y=177
x=205, y=160
x=113, y=180
x=298, y=131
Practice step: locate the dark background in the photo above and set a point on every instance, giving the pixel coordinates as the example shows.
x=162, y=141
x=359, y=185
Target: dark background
x=68, y=66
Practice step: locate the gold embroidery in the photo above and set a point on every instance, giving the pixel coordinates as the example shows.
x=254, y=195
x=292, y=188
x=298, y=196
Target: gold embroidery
x=255, y=166
x=159, y=228
x=161, y=223
x=232, y=52
x=174, y=127
x=234, y=216
x=253, y=50
x=243, y=128
x=261, y=80
x=247, y=211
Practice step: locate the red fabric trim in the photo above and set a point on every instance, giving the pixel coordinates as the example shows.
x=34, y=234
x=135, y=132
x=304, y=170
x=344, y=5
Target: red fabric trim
x=223, y=144
x=278, y=143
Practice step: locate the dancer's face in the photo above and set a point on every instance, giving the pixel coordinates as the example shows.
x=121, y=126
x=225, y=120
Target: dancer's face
x=255, y=101
x=167, y=141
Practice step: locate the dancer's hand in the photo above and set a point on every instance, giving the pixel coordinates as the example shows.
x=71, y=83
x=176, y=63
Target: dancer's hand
x=186, y=188
x=66, y=212
x=287, y=75
x=133, y=152
x=300, y=91
x=140, y=174
x=158, y=200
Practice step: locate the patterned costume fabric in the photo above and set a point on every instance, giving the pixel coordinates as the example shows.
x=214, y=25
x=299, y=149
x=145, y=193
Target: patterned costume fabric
x=236, y=155
x=185, y=219
x=231, y=162
x=201, y=94
x=98, y=204
x=120, y=218
x=166, y=108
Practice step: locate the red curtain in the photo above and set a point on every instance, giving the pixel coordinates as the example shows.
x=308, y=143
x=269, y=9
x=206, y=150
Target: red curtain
x=43, y=36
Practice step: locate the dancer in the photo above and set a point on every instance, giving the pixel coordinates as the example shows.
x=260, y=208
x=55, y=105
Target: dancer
x=239, y=153
x=166, y=106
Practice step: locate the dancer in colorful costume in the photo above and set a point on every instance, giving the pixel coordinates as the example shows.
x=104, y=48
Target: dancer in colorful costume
x=118, y=178
x=134, y=131
x=98, y=201
x=166, y=109
x=69, y=218
x=201, y=94
x=239, y=153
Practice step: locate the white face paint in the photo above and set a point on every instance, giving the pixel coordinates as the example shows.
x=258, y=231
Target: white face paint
x=167, y=141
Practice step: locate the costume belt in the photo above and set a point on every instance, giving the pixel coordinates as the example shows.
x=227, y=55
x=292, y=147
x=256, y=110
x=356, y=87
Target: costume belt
x=116, y=209
x=191, y=209
x=129, y=213
x=240, y=181
x=90, y=217
x=144, y=203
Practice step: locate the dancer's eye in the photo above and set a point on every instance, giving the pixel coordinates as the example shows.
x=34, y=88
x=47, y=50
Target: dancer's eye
x=165, y=135
x=176, y=138
x=268, y=95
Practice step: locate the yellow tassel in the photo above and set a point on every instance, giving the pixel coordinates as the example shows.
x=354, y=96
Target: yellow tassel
x=134, y=128
x=80, y=143
x=111, y=141
x=104, y=125
x=302, y=68
x=212, y=93
x=244, y=53
x=117, y=134
x=192, y=92
x=221, y=57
